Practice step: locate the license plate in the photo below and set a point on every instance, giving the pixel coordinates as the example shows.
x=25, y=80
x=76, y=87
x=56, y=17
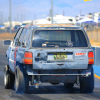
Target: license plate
x=60, y=56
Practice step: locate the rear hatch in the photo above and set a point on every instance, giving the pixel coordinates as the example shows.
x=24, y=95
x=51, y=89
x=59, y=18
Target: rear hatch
x=60, y=59
x=60, y=49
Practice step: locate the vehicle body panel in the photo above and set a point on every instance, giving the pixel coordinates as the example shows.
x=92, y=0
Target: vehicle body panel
x=76, y=62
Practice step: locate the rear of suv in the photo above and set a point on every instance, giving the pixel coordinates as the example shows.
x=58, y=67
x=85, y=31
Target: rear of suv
x=54, y=54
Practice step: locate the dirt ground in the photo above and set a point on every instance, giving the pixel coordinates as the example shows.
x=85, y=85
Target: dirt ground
x=94, y=37
x=5, y=36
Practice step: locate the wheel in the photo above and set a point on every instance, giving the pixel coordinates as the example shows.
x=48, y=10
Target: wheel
x=87, y=83
x=21, y=80
x=8, y=78
x=69, y=85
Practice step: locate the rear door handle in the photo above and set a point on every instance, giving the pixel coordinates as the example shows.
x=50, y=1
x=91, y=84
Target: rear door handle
x=60, y=63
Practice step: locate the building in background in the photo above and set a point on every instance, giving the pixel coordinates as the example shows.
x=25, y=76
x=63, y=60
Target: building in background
x=41, y=21
x=97, y=17
x=90, y=15
x=57, y=19
x=94, y=16
x=60, y=19
x=79, y=17
x=13, y=24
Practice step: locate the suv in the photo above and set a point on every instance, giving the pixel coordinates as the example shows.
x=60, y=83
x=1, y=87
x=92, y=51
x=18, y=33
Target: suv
x=49, y=53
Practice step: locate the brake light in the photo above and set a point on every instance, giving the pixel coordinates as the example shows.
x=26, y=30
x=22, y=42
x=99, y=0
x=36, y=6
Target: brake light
x=28, y=58
x=90, y=58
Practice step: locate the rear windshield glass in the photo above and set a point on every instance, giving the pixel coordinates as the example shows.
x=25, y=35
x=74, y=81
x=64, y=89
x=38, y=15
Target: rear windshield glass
x=59, y=38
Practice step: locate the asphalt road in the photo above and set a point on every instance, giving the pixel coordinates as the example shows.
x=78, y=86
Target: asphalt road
x=46, y=91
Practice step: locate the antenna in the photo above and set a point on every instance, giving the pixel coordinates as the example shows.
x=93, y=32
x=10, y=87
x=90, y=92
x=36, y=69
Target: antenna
x=52, y=10
x=10, y=14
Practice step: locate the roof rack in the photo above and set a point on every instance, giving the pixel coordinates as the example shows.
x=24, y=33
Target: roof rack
x=54, y=25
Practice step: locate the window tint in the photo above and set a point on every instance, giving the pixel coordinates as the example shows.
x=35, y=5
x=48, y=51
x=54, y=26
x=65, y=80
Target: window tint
x=29, y=40
x=17, y=37
x=28, y=32
x=26, y=37
x=22, y=36
x=59, y=38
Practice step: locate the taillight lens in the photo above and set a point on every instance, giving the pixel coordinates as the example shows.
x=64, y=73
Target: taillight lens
x=90, y=58
x=28, y=58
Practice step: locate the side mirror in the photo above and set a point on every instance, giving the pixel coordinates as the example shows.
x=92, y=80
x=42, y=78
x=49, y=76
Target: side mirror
x=6, y=42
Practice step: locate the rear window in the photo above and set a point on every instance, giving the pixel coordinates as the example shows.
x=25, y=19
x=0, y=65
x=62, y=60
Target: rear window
x=59, y=38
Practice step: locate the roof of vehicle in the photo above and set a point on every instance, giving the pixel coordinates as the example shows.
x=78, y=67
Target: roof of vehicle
x=51, y=26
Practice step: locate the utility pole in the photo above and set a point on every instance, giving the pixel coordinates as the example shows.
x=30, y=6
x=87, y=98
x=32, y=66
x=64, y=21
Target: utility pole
x=80, y=12
x=21, y=17
x=34, y=16
x=24, y=17
x=52, y=10
x=93, y=15
x=10, y=14
x=50, y=15
x=1, y=17
x=63, y=13
x=17, y=17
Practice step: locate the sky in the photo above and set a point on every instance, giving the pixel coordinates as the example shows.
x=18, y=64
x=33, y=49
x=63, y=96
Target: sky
x=39, y=9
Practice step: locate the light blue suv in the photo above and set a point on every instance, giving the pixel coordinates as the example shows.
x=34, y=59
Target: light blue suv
x=54, y=54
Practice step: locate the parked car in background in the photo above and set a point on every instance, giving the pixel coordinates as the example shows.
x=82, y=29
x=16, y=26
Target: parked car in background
x=8, y=29
x=15, y=29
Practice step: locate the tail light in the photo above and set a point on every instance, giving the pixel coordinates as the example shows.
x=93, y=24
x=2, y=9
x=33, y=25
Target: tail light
x=90, y=58
x=28, y=58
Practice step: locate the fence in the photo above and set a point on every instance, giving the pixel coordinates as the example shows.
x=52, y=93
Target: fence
x=3, y=31
x=94, y=34
x=7, y=31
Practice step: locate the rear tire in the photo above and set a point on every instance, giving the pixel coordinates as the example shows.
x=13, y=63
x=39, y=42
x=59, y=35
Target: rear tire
x=8, y=78
x=21, y=80
x=87, y=83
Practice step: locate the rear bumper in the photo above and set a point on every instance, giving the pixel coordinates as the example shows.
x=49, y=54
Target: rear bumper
x=82, y=74
x=58, y=72
x=58, y=75
x=60, y=78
